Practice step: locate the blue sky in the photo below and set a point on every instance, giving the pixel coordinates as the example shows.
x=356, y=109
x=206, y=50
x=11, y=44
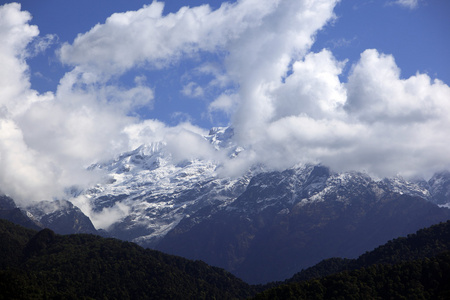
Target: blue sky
x=353, y=84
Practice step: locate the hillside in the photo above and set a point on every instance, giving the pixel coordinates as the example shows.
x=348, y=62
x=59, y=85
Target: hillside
x=420, y=279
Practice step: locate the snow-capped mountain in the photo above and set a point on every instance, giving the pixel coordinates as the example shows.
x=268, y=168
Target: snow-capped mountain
x=186, y=208
x=152, y=194
x=439, y=188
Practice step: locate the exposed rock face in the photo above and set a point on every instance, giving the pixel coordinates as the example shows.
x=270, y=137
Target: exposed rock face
x=62, y=217
x=9, y=211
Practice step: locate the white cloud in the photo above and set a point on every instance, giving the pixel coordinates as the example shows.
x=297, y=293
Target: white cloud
x=376, y=122
x=22, y=174
x=147, y=37
x=260, y=59
x=313, y=88
x=87, y=118
x=378, y=94
x=106, y=217
x=260, y=40
x=406, y=119
x=226, y=103
x=15, y=35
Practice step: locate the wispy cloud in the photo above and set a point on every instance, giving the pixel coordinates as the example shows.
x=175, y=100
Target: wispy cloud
x=411, y=4
x=41, y=44
x=192, y=90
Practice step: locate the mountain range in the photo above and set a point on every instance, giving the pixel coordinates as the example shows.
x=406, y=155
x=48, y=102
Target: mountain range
x=262, y=226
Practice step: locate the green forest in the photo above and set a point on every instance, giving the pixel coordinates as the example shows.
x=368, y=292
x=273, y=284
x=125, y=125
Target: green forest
x=44, y=265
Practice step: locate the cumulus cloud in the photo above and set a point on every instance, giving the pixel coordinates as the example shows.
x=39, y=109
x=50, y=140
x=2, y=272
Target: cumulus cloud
x=259, y=41
x=20, y=167
x=226, y=103
x=22, y=174
x=262, y=58
x=378, y=94
x=148, y=37
x=405, y=118
x=377, y=121
x=15, y=35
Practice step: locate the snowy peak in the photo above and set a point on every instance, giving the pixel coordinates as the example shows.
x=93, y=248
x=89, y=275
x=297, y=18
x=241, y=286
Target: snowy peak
x=145, y=157
x=147, y=193
x=439, y=186
x=221, y=137
x=417, y=188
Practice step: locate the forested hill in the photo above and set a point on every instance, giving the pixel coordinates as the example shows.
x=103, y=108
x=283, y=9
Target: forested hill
x=40, y=265
x=425, y=243
x=427, y=278
x=416, y=266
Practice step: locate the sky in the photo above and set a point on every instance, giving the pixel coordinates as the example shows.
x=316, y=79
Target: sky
x=353, y=84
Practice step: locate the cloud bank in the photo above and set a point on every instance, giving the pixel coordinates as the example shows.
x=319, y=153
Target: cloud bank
x=287, y=105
